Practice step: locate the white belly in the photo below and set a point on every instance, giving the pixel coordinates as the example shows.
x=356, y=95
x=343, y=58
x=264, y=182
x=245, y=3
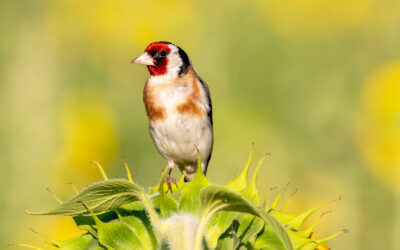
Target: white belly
x=178, y=136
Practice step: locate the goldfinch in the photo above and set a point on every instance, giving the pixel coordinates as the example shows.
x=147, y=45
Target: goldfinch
x=178, y=107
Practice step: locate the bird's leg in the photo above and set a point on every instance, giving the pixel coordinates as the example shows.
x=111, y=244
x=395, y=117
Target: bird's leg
x=168, y=179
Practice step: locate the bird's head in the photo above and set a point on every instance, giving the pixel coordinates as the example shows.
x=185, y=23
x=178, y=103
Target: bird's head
x=164, y=58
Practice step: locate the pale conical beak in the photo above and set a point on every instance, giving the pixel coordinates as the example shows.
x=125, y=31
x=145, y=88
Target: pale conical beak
x=145, y=59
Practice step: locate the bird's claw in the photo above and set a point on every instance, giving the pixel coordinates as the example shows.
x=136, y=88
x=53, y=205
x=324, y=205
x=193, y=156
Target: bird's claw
x=168, y=180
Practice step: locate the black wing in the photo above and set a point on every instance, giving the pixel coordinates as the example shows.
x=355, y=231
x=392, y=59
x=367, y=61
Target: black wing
x=209, y=114
x=208, y=97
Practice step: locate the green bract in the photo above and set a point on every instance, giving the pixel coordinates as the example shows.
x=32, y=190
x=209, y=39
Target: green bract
x=119, y=214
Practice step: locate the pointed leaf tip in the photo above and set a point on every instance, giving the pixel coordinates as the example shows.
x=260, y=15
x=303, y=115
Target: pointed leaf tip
x=299, y=220
x=161, y=185
x=128, y=172
x=324, y=213
x=47, y=239
x=287, y=201
x=275, y=202
x=73, y=187
x=251, y=191
x=54, y=195
x=324, y=240
x=215, y=198
x=189, y=202
x=24, y=245
x=254, y=178
x=101, y=196
x=103, y=173
x=240, y=182
x=200, y=177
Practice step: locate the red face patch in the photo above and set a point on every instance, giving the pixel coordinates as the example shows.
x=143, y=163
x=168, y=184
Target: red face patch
x=161, y=63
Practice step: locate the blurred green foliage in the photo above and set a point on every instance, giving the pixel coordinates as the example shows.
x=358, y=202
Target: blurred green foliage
x=315, y=83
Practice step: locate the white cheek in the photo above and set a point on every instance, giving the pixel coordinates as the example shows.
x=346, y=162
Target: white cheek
x=174, y=62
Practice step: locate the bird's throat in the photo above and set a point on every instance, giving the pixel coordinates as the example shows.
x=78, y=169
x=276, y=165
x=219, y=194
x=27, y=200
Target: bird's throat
x=160, y=68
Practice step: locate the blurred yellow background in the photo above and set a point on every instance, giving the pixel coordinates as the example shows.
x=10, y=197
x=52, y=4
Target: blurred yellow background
x=316, y=83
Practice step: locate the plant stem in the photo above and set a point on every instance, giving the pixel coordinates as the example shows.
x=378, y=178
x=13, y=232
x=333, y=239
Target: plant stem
x=206, y=215
x=198, y=242
x=149, y=208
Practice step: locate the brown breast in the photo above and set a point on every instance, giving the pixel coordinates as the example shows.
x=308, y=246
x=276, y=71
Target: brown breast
x=190, y=106
x=154, y=112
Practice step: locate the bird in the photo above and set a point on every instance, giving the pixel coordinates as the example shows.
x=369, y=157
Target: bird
x=179, y=109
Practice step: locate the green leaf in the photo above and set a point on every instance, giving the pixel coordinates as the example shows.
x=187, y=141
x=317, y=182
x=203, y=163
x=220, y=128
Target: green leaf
x=268, y=240
x=283, y=218
x=215, y=198
x=218, y=224
x=250, y=191
x=295, y=221
x=249, y=227
x=298, y=240
x=116, y=235
x=85, y=241
x=162, y=187
x=138, y=222
x=190, y=202
x=137, y=210
x=101, y=196
x=316, y=242
x=221, y=221
x=229, y=239
x=86, y=222
x=165, y=205
x=310, y=246
x=299, y=220
x=240, y=182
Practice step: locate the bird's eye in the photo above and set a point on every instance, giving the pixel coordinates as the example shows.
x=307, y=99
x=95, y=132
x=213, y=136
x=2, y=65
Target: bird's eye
x=163, y=53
